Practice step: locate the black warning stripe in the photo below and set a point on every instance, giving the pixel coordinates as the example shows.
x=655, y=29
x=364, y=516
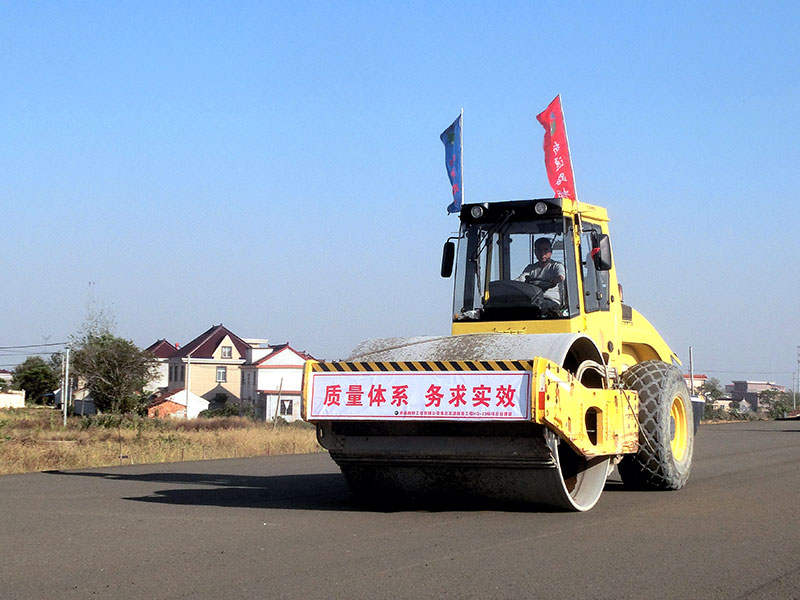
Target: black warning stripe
x=420, y=366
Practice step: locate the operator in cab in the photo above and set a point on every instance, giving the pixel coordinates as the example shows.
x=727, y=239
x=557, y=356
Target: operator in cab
x=545, y=273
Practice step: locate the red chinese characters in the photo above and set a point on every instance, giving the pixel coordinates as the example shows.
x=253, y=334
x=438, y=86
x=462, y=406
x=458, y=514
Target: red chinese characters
x=434, y=395
x=354, y=395
x=493, y=395
x=376, y=396
x=479, y=395
x=505, y=396
x=332, y=395
x=457, y=395
x=399, y=395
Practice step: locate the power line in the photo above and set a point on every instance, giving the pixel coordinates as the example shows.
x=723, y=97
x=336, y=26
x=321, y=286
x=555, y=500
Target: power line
x=32, y=346
x=4, y=354
x=748, y=372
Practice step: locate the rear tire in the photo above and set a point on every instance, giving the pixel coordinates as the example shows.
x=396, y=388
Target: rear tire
x=666, y=428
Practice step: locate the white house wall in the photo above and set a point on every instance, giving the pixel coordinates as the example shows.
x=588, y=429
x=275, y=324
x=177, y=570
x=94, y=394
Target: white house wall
x=161, y=380
x=285, y=357
x=269, y=380
x=260, y=383
x=12, y=399
x=196, y=406
x=196, y=403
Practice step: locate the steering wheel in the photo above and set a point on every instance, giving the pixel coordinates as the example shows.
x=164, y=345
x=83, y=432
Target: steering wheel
x=514, y=293
x=539, y=282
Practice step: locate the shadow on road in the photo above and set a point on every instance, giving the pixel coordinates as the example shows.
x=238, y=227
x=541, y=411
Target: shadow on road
x=318, y=491
x=770, y=430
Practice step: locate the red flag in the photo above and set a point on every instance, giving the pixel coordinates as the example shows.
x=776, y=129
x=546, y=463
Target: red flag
x=556, y=151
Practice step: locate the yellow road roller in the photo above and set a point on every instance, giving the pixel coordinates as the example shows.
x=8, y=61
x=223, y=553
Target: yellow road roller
x=547, y=382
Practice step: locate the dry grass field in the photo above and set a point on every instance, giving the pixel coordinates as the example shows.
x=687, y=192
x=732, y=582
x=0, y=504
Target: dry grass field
x=34, y=439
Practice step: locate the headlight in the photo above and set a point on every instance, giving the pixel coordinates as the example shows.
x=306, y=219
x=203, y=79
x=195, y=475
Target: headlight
x=476, y=212
x=540, y=208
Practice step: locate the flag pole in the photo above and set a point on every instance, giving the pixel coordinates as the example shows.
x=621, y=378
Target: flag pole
x=461, y=141
x=571, y=166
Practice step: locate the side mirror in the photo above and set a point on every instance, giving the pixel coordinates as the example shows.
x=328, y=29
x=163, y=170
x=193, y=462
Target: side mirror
x=601, y=252
x=448, y=255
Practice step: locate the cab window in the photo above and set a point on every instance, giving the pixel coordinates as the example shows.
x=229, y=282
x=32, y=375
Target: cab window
x=595, y=283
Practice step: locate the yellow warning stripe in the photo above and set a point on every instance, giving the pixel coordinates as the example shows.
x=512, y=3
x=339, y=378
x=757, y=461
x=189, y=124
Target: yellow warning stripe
x=418, y=366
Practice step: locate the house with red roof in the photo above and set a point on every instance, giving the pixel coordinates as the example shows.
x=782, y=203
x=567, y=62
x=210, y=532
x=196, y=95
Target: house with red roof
x=271, y=379
x=694, y=383
x=220, y=367
x=209, y=366
x=162, y=350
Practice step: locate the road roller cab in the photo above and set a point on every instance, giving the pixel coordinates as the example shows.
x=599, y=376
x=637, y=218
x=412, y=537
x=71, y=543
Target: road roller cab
x=495, y=292
x=547, y=382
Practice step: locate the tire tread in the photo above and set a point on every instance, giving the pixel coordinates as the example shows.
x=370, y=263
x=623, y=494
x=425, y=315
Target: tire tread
x=653, y=467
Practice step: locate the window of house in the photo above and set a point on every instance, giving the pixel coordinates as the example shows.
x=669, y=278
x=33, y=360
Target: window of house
x=222, y=374
x=286, y=406
x=183, y=372
x=227, y=352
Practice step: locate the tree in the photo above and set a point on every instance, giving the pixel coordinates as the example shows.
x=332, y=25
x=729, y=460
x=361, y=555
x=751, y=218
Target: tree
x=711, y=390
x=36, y=377
x=777, y=403
x=115, y=370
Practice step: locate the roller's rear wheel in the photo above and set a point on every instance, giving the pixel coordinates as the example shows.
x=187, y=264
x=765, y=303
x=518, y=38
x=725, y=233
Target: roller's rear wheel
x=666, y=428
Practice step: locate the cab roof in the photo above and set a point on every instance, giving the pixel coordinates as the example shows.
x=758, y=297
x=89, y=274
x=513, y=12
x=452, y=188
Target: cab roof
x=521, y=210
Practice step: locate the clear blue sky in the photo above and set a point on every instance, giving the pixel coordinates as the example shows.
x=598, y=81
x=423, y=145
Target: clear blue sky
x=276, y=166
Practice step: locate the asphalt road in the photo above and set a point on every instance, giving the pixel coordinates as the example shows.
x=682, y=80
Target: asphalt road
x=287, y=527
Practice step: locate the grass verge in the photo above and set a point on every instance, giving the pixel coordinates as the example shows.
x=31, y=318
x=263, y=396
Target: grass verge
x=34, y=439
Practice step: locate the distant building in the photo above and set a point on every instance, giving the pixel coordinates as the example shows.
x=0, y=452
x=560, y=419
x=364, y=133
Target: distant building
x=695, y=383
x=221, y=368
x=747, y=391
x=209, y=366
x=162, y=350
x=12, y=399
x=721, y=403
x=174, y=405
x=80, y=399
x=271, y=380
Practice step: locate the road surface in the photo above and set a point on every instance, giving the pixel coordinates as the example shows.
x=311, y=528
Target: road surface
x=287, y=527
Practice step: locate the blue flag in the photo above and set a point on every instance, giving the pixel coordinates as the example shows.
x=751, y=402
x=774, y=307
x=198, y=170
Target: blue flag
x=452, y=140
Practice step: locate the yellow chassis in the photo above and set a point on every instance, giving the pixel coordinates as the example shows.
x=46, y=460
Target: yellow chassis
x=595, y=422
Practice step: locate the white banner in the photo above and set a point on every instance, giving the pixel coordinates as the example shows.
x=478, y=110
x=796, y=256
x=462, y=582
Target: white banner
x=427, y=395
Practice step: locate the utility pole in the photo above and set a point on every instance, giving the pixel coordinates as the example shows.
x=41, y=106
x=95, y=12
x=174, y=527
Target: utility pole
x=277, y=405
x=797, y=381
x=188, y=380
x=65, y=388
x=691, y=372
